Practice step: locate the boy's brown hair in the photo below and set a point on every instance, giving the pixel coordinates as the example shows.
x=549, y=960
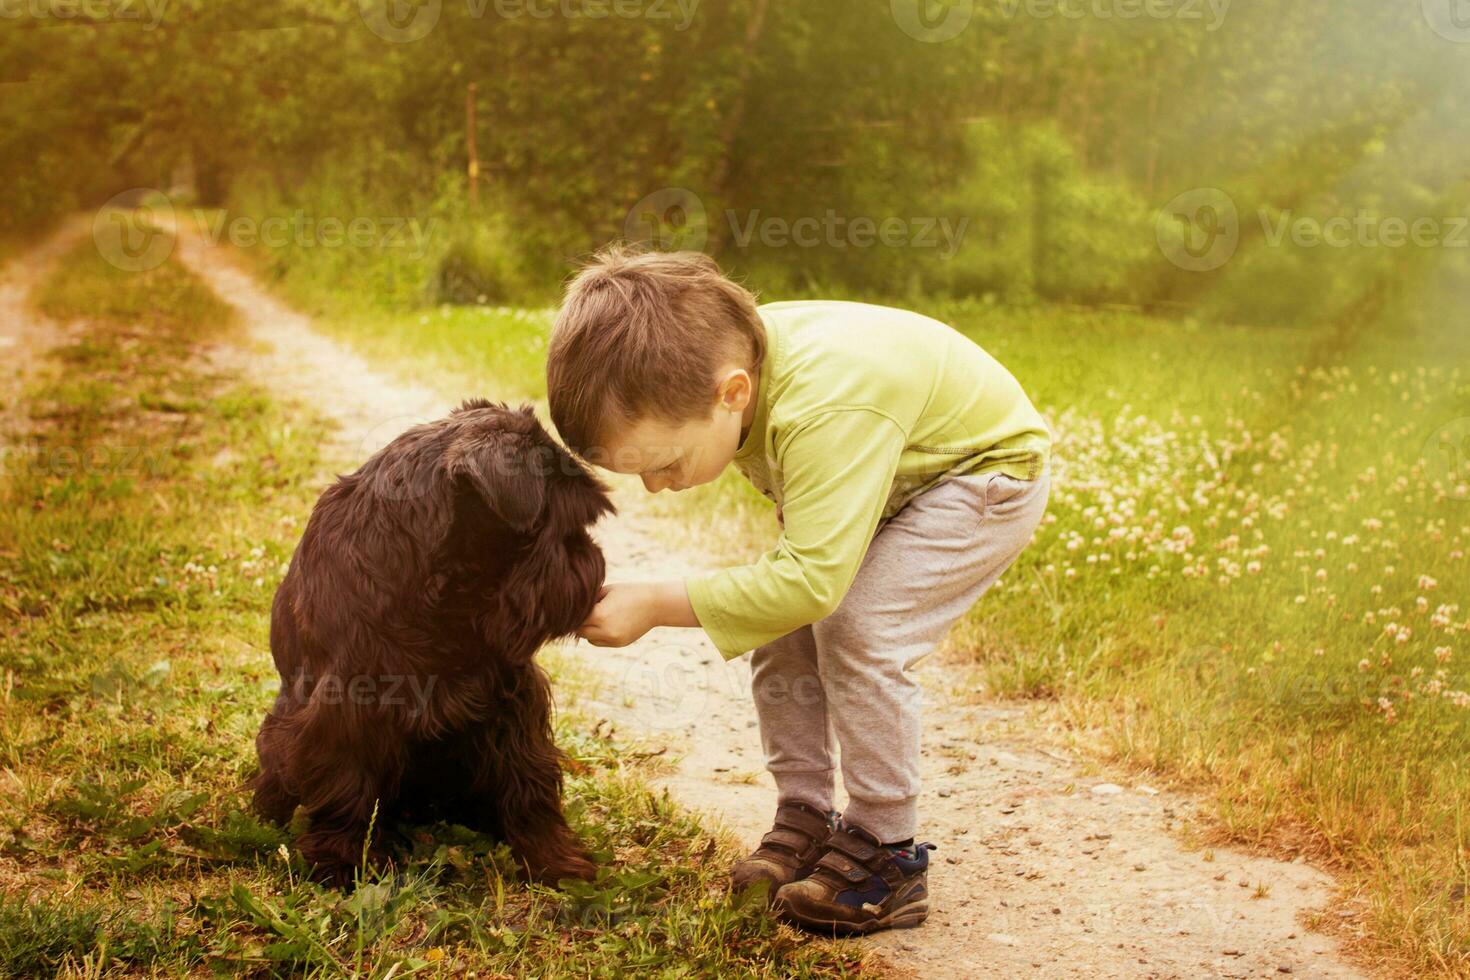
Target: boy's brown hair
x=640, y=334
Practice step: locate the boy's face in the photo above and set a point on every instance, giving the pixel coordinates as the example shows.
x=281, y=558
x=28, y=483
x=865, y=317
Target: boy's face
x=679, y=456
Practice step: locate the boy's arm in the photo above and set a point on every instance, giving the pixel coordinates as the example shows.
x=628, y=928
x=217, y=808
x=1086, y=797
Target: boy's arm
x=837, y=472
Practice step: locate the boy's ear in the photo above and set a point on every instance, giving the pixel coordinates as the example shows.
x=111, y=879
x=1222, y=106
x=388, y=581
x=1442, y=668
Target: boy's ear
x=735, y=390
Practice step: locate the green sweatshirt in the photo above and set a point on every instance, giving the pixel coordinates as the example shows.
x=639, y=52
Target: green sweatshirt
x=859, y=409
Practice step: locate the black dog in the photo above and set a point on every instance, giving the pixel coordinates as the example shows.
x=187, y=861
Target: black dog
x=404, y=632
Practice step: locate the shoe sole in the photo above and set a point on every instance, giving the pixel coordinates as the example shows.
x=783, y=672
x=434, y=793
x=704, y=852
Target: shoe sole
x=907, y=917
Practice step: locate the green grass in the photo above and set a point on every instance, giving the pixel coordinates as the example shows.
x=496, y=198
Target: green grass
x=150, y=508
x=1171, y=611
x=494, y=352
x=1213, y=592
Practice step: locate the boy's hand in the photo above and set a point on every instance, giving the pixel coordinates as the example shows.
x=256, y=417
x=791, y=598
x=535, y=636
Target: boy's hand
x=627, y=610
x=620, y=616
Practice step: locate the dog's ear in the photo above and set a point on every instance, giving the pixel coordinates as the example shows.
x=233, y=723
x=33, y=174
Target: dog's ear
x=506, y=471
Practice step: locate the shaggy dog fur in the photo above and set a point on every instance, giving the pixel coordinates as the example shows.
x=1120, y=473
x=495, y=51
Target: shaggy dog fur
x=404, y=633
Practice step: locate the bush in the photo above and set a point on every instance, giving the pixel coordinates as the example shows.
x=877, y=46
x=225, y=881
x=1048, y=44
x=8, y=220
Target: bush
x=479, y=265
x=1038, y=226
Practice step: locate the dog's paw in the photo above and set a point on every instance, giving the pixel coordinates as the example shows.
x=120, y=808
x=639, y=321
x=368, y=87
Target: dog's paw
x=576, y=864
x=583, y=867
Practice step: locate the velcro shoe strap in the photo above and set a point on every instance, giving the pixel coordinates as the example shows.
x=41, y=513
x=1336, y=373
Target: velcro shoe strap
x=854, y=847
x=802, y=821
x=845, y=866
x=791, y=840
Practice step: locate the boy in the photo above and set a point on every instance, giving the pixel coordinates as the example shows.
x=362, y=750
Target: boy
x=908, y=469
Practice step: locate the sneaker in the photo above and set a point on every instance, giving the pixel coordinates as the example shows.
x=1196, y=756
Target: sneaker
x=859, y=886
x=788, y=851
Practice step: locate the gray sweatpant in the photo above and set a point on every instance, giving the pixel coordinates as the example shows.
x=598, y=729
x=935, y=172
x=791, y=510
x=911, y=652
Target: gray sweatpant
x=847, y=675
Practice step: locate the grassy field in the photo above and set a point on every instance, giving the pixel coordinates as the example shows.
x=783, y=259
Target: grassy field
x=1251, y=577
x=1255, y=576
x=151, y=506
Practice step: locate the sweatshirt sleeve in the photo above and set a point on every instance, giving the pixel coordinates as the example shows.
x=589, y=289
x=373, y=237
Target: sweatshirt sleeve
x=837, y=471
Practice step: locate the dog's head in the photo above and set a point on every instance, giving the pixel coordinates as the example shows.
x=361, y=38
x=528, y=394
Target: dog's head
x=546, y=500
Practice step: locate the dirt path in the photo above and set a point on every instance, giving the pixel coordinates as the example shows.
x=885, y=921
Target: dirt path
x=25, y=334
x=1042, y=870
